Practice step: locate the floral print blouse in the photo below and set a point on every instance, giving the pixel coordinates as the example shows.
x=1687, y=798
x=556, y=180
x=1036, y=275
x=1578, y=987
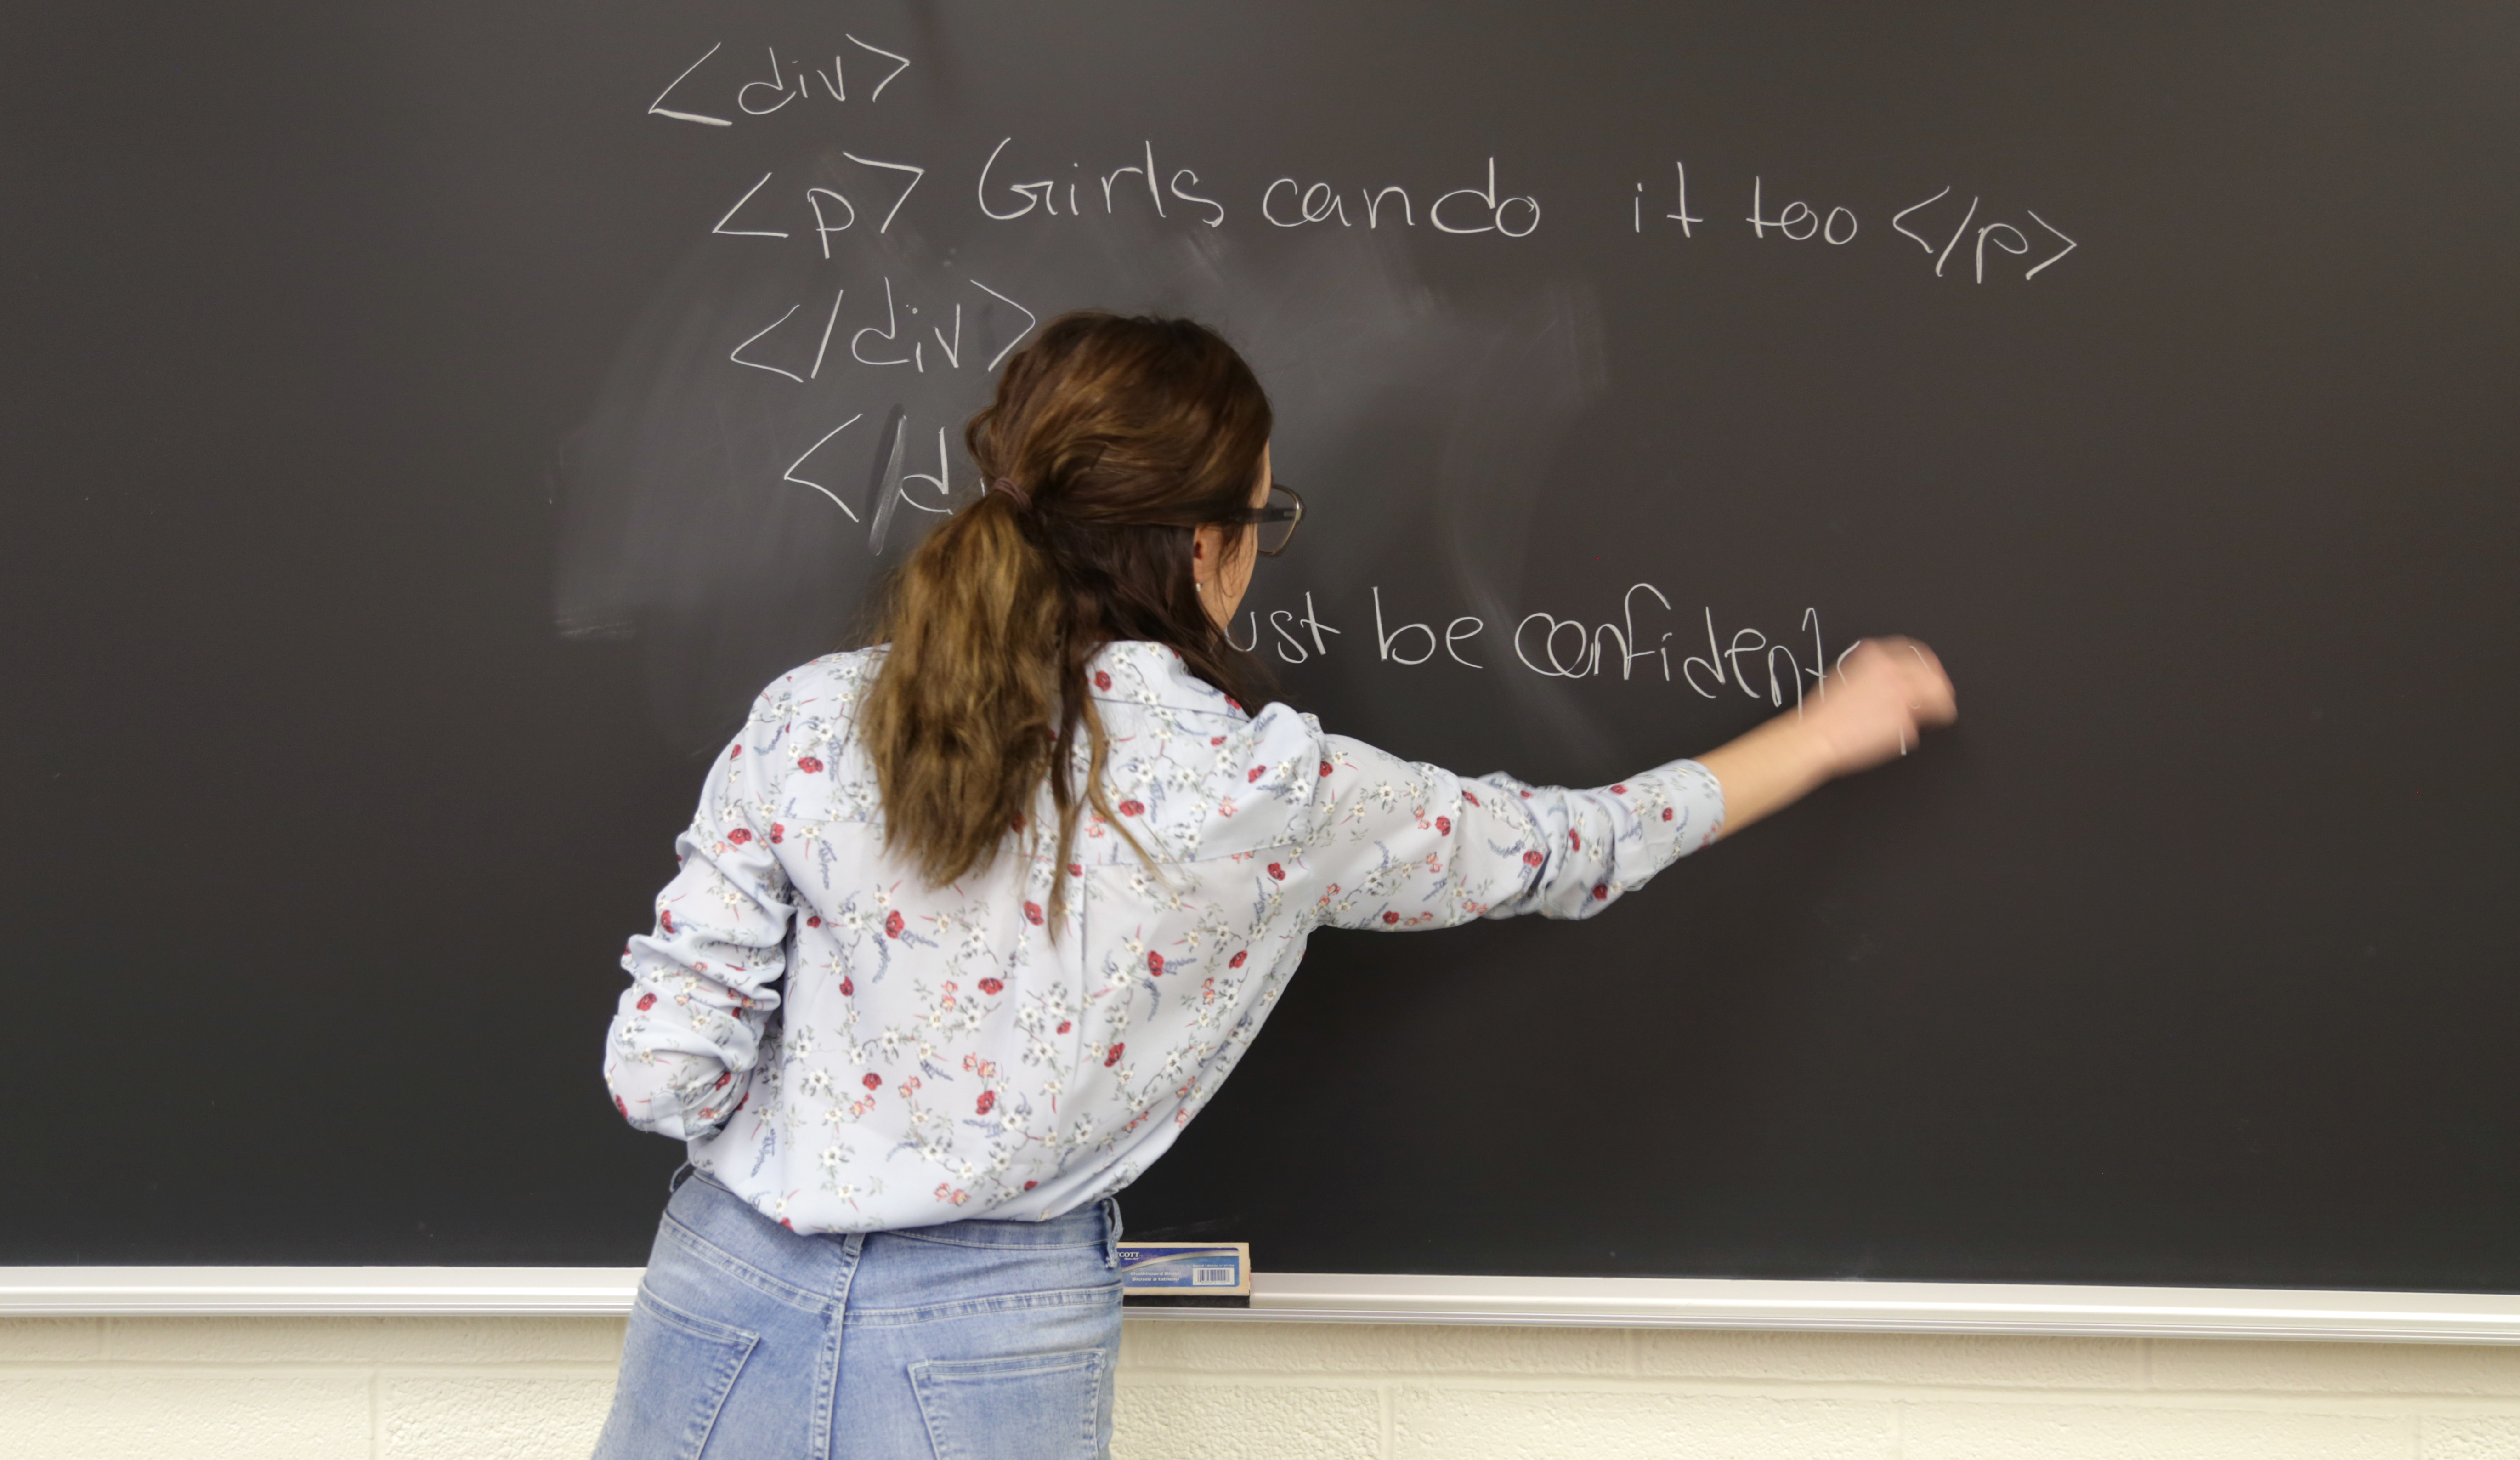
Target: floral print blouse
x=851, y=1050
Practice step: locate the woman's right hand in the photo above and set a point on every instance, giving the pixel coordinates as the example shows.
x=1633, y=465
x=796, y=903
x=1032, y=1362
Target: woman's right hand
x=1882, y=698
x=1879, y=703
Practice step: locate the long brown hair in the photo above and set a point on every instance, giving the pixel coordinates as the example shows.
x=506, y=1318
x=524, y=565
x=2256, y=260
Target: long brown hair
x=1118, y=437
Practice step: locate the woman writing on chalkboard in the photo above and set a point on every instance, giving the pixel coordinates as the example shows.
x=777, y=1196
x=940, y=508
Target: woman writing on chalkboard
x=970, y=924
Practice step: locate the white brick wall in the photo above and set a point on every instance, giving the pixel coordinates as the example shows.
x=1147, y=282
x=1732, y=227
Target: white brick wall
x=385, y=1389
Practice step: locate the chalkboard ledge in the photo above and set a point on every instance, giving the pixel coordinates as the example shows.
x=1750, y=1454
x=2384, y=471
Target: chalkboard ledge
x=1317, y=1298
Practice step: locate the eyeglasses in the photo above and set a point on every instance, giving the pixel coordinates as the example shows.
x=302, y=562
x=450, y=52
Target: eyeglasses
x=1275, y=519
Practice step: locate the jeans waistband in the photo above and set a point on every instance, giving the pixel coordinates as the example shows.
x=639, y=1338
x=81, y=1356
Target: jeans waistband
x=709, y=1208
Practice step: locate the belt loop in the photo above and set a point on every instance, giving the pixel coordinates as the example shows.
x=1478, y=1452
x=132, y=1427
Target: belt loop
x=1110, y=1232
x=681, y=1175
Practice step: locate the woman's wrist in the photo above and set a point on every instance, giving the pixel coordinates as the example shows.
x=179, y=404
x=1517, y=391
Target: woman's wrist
x=1770, y=768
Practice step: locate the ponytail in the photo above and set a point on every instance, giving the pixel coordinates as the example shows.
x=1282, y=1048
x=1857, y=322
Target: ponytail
x=1114, y=439
x=965, y=709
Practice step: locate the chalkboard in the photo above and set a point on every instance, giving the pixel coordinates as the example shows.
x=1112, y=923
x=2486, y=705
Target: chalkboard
x=427, y=426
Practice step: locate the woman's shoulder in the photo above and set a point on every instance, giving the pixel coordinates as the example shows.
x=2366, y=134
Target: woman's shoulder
x=838, y=676
x=1206, y=775
x=800, y=735
x=815, y=704
x=1148, y=676
x=1135, y=679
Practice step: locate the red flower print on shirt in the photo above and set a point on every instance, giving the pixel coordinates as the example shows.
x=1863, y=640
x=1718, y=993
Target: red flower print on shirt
x=734, y=750
x=1216, y=740
x=892, y=924
x=811, y=765
x=872, y=1081
x=1574, y=839
x=1390, y=917
x=646, y=1001
x=1666, y=813
x=1618, y=790
x=1237, y=960
x=722, y=1079
x=815, y=921
x=1277, y=872
x=849, y=985
x=992, y=985
x=621, y=1104
x=1032, y=913
x=1029, y=1185
x=1155, y=964
x=988, y=1101
x=1326, y=768
x=1066, y=1025
x=666, y=917
x=1472, y=799
x=738, y=836
x=1101, y=682
x=778, y=832
x=1113, y=1058
x=1229, y=700
x=1133, y=808
x=1601, y=891
x=1443, y=826
x=1532, y=860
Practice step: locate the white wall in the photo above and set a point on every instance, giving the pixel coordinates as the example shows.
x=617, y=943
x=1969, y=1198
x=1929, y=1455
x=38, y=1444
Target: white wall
x=352, y=1388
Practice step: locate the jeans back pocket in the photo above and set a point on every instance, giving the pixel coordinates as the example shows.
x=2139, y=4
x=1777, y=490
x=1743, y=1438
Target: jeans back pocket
x=1035, y=1406
x=677, y=1368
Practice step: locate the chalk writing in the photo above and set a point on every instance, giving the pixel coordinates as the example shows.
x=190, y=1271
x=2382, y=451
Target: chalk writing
x=791, y=474
x=813, y=199
x=791, y=81
x=2007, y=237
x=1290, y=646
x=1800, y=215
x=882, y=325
x=1143, y=185
x=1045, y=194
x=1798, y=221
x=1633, y=646
x=896, y=339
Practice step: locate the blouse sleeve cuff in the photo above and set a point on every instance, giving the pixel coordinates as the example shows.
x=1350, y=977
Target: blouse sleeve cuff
x=1693, y=809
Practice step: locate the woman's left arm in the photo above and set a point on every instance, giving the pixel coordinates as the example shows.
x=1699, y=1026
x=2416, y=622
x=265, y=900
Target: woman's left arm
x=687, y=1036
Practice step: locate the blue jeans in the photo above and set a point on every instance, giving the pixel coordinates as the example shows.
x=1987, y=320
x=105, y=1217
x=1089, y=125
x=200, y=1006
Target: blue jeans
x=973, y=1339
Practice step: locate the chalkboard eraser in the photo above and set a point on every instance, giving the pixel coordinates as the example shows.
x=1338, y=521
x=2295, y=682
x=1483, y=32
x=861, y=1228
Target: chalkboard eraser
x=1192, y=1274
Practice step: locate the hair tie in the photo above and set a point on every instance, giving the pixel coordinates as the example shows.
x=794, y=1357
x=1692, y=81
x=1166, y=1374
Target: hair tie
x=1017, y=493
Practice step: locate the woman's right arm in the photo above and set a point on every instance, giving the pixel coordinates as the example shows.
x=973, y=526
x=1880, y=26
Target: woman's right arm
x=1396, y=844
